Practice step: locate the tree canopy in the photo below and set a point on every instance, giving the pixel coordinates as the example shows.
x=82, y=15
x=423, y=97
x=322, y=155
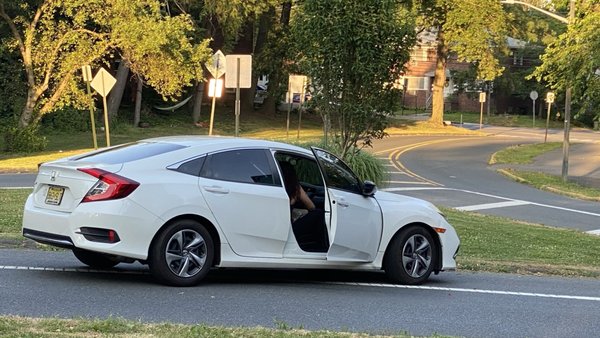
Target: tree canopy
x=55, y=38
x=574, y=59
x=353, y=51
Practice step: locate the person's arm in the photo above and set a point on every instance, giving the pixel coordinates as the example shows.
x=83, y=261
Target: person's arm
x=306, y=200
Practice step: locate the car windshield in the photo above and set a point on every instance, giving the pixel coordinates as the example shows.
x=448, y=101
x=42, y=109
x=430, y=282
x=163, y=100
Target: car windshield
x=130, y=152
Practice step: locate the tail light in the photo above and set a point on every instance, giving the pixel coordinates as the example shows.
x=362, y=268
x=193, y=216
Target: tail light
x=109, y=186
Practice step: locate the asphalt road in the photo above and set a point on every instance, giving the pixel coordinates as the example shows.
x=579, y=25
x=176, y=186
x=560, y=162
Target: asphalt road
x=454, y=172
x=457, y=304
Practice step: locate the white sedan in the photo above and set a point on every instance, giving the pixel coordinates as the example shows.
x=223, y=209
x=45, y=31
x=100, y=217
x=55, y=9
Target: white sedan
x=184, y=205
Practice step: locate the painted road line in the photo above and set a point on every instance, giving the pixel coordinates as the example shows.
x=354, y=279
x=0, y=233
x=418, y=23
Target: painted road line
x=493, y=292
x=379, y=285
x=16, y=188
x=492, y=205
x=594, y=232
x=495, y=196
x=396, y=173
x=86, y=270
x=406, y=182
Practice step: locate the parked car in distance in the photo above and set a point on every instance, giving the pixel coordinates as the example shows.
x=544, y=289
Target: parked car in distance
x=186, y=204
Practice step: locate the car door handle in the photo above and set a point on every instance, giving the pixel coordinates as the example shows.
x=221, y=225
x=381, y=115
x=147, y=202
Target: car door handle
x=342, y=203
x=216, y=189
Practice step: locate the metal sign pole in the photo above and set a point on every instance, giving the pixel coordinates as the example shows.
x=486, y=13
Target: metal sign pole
x=237, y=100
x=106, y=124
x=534, y=113
x=287, y=129
x=212, y=108
x=92, y=117
x=547, y=122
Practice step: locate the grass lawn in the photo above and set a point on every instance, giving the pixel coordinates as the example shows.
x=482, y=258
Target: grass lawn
x=11, y=326
x=523, y=153
x=525, y=121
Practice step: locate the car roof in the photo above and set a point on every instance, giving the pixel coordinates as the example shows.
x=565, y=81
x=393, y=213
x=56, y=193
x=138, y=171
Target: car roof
x=222, y=142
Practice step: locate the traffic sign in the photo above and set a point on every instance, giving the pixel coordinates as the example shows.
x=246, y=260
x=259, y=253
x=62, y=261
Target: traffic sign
x=103, y=82
x=550, y=97
x=216, y=64
x=244, y=71
x=533, y=95
x=482, y=97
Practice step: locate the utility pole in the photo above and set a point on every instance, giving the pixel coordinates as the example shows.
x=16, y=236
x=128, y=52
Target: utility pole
x=568, y=93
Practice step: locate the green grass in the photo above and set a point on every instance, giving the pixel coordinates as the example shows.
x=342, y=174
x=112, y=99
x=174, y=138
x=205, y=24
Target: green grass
x=554, y=184
x=524, y=121
x=11, y=326
x=11, y=210
x=523, y=153
x=497, y=244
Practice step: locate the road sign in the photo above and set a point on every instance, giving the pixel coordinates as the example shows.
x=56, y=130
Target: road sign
x=231, y=71
x=103, y=82
x=482, y=97
x=550, y=97
x=86, y=71
x=533, y=95
x=215, y=88
x=216, y=64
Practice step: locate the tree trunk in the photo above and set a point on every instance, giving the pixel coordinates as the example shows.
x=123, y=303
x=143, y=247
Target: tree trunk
x=198, y=96
x=138, y=101
x=286, y=9
x=439, y=82
x=116, y=94
x=27, y=112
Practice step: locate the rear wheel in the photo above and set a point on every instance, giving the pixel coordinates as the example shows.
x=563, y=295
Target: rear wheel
x=410, y=258
x=182, y=254
x=94, y=259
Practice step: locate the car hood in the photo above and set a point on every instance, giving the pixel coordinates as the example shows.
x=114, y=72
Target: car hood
x=396, y=200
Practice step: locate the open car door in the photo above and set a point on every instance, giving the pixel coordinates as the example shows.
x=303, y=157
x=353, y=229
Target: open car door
x=356, y=221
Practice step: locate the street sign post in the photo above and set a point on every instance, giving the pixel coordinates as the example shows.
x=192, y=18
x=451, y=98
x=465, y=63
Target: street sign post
x=216, y=66
x=481, y=102
x=550, y=100
x=296, y=84
x=533, y=95
x=238, y=74
x=103, y=82
x=86, y=71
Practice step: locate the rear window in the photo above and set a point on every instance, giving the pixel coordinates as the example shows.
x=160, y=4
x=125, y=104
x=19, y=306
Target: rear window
x=130, y=152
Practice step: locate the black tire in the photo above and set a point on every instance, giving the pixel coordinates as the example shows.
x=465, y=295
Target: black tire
x=94, y=259
x=411, y=256
x=190, y=257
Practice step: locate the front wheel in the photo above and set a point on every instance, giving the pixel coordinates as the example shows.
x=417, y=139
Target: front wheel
x=94, y=259
x=410, y=258
x=182, y=254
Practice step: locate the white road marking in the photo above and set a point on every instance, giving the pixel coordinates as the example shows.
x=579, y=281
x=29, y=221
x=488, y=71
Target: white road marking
x=381, y=285
x=495, y=196
x=494, y=292
x=396, y=173
x=492, y=205
x=16, y=188
x=594, y=232
x=39, y=268
x=406, y=182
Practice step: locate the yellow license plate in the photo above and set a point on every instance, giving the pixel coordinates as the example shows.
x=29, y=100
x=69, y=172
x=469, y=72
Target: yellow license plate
x=54, y=195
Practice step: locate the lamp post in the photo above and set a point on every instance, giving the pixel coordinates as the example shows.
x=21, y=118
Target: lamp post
x=568, y=91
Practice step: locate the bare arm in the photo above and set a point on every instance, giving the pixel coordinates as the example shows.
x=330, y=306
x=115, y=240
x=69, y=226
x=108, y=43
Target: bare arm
x=306, y=200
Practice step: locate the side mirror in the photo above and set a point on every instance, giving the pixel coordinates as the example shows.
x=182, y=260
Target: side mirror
x=369, y=188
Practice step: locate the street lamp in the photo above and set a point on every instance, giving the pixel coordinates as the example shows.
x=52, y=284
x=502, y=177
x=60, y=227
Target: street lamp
x=568, y=91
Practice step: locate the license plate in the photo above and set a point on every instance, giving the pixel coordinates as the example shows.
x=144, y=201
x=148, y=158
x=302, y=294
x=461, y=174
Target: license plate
x=54, y=195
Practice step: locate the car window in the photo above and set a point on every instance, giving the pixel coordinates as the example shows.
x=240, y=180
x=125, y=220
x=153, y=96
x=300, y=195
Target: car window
x=337, y=173
x=192, y=167
x=245, y=166
x=130, y=152
x=306, y=169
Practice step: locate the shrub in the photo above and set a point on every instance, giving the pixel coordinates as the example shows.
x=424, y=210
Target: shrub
x=24, y=139
x=67, y=119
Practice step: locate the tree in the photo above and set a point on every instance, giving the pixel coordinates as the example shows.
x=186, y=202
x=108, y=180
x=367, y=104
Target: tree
x=474, y=30
x=55, y=38
x=353, y=51
x=574, y=59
